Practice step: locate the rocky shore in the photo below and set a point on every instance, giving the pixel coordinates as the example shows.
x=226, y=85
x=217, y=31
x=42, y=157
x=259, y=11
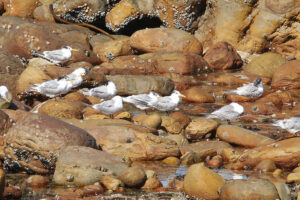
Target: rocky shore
x=64, y=148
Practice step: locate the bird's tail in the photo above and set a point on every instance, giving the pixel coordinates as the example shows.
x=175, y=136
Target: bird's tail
x=85, y=92
x=126, y=99
x=230, y=92
x=33, y=89
x=35, y=84
x=36, y=53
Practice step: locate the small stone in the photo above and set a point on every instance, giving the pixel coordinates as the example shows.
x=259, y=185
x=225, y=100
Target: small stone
x=199, y=127
x=215, y=162
x=190, y=158
x=266, y=166
x=152, y=121
x=111, y=183
x=293, y=178
x=277, y=172
x=37, y=181
x=171, y=161
x=134, y=177
x=152, y=181
x=93, y=190
x=230, y=155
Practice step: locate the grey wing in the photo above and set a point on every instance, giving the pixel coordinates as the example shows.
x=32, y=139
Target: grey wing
x=54, y=55
x=99, y=91
x=164, y=103
x=50, y=87
x=106, y=104
x=224, y=113
x=247, y=89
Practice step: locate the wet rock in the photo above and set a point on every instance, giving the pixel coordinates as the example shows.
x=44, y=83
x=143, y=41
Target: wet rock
x=34, y=142
x=171, y=125
x=266, y=166
x=201, y=182
x=179, y=139
x=171, y=161
x=134, y=177
x=277, y=98
x=5, y=123
x=2, y=182
x=283, y=190
x=37, y=181
x=152, y=181
x=93, y=190
x=130, y=84
x=182, y=118
x=293, y=178
x=165, y=39
x=215, y=162
x=223, y=56
x=176, y=185
x=134, y=142
x=152, y=121
x=285, y=154
x=79, y=165
x=230, y=155
x=190, y=158
x=248, y=189
x=200, y=127
x=236, y=79
x=197, y=95
x=62, y=109
x=287, y=75
x=205, y=148
x=277, y=173
x=265, y=64
x=84, y=124
x=260, y=108
x=241, y=136
x=112, y=184
x=236, y=98
x=181, y=82
x=280, y=6
x=12, y=192
x=43, y=13
x=20, y=8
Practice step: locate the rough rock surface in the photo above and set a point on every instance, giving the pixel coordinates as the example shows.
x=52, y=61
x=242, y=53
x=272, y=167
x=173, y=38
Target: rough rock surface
x=199, y=127
x=5, y=123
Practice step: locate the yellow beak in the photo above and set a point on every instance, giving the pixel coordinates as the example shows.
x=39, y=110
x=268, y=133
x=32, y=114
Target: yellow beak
x=75, y=50
x=68, y=79
x=181, y=95
x=80, y=75
x=6, y=99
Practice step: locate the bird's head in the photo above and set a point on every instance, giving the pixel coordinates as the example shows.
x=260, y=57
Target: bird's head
x=80, y=72
x=257, y=81
x=4, y=93
x=177, y=93
x=69, y=48
x=237, y=107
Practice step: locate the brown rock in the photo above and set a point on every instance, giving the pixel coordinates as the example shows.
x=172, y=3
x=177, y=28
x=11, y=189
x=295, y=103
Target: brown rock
x=152, y=121
x=265, y=64
x=195, y=94
x=172, y=125
x=176, y=185
x=2, y=182
x=236, y=98
x=280, y=6
x=165, y=39
x=223, y=56
x=12, y=192
x=241, y=136
x=259, y=108
x=20, y=8
x=182, y=118
x=236, y=78
x=133, y=177
x=37, y=181
x=287, y=75
x=76, y=97
x=293, y=178
x=84, y=124
x=201, y=182
x=43, y=13
x=200, y=127
x=190, y=158
x=179, y=139
x=277, y=98
x=266, y=166
x=152, y=181
x=230, y=155
x=171, y=161
x=248, y=190
x=93, y=190
x=215, y=162
x=111, y=183
x=5, y=123
x=41, y=137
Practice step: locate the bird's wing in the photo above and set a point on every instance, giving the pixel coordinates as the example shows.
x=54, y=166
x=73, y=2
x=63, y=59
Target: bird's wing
x=54, y=55
x=100, y=90
x=247, y=89
x=107, y=104
x=52, y=84
x=224, y=112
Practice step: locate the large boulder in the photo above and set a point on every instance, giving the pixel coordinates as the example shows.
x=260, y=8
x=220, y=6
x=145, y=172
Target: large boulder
x=79, y=165
x=34, y=142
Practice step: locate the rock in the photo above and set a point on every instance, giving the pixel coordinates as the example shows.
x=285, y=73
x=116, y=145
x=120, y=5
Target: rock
x=39, y=138
x=152, y=121
x=259, y=108
x=248, y=189
x=37, y=181
x=2, y=182
x=20, y=8
x=79, y=165
x=223, y=56
x=152, y=181
x=230, y=155
x=76, y=97
x=201, y=182
x=5, y=123
x=176, y=185
x=62, y=109
x=215, y=162
x=205, y=148
x=84, y=124
x=236, y=98
x=241, y=136
x=277, y=173
x=237, y=79
x=43, y=13
x=111, y=183
x=285, y=154
x=134, y=177
x=293, y=178
x=280, y=6
x=200, y=127
x=179, y=139
x=133, y=141
x=165, y=39
x=296, y=170
x=130, y=84
x=171, y=161
x=93, y=190
x=265, y=64
x=182, y=118
x=197, y=95
x=12, y=192
x=283, y=190
x=190, y=158
x=277, y=98
x=286, y=76
x=266, y=166
x=171, y=125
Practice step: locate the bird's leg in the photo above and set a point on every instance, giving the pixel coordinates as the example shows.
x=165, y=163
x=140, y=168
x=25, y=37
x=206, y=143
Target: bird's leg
x=146, y=112
x=111, y=116
x=228, y=122
x=167, y=113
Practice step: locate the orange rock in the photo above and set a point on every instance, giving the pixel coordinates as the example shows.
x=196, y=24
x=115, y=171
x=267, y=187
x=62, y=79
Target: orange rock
x=152, y=181
x=37, y=181
x=42, y=13
x=236, y=98
x=195, y=94
x=171, y=161
x=215, y=162
x=93, y=190
x=20, y=8
x=259, y=108
x=76, y=97
x=181, y=117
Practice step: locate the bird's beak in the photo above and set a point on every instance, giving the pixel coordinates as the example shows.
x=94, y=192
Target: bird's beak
x=68, y=79
x=182, y=96
x=81, y=75
x=6, y=99
x=75, y=50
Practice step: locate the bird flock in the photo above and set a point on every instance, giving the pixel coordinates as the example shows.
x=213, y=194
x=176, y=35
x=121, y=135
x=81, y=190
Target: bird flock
x=112, y=103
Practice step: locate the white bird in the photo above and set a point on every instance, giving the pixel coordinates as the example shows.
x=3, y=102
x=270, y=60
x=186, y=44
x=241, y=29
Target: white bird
x=103, y=91
x=76, y=76
x=53, y=88
x=110, y=107
x=251, y=90
x=292, y=124
x=167, y=103
x=56, y=56
x=141, y=101
x=4, y=94
x=228, y=112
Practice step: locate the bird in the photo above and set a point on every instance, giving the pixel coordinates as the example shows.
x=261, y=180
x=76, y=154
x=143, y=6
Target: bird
x=252, y=90
x=167, y=103
x=76, y=76
x=141, y=101
x=52, y=88
x=110, y=107
x=4, y=94
x=292, y=124
x=228, y=112
x=56, y=56
x=103, y=91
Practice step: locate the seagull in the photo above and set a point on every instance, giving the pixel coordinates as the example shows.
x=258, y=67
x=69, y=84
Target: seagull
x=141, y=101
x=228, y=112
x=167, y=103
x=56, y=56
x=110, y=107
x=76, y=76
x=251, y=90
x=4, y=94
x=53, y=88
x=291, y=124
x=103, y=91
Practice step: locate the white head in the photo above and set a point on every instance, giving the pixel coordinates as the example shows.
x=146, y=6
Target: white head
x=4, y=93
x=117, y=99
x=111, y=85
x=237, y=107
x=80, y=72
x=177, y=93
x=153, y=94
x=68, y=48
